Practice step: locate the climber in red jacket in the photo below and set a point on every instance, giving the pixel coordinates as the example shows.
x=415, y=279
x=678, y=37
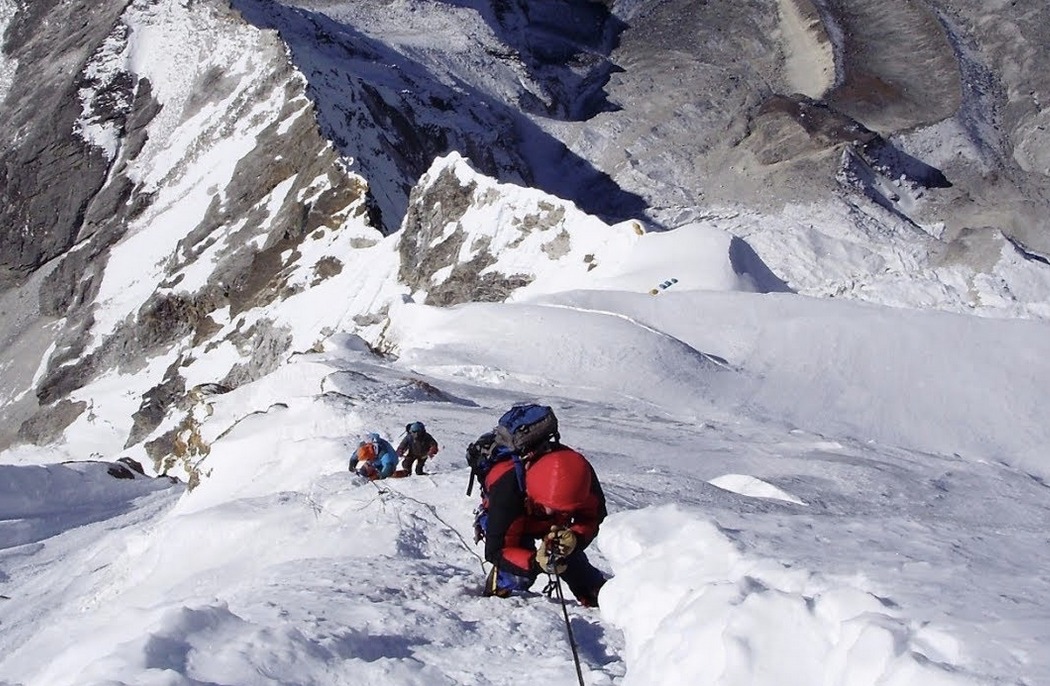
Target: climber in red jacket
x=554, y=499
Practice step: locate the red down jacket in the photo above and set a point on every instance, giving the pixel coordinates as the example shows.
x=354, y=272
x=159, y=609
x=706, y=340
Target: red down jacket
x=561, y=489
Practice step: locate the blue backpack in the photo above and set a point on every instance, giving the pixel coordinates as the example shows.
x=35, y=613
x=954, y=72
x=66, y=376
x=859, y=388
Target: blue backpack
x=527, y=428
x=522, y=433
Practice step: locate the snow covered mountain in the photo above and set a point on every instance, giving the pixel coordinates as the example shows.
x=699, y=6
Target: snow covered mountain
x=203, y=164
x=858, y=497
x=781, y=267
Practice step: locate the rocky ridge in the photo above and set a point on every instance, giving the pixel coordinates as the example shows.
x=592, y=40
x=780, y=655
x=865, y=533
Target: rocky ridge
x=207, y=171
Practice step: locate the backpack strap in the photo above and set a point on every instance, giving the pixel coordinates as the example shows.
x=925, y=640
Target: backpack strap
x=519, y=471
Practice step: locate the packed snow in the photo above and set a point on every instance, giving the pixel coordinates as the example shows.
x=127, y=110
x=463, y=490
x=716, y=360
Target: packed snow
x=801, y=492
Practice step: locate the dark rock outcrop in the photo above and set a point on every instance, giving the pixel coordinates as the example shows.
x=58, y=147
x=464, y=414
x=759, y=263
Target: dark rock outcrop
x=432, y=208
x=49, y=175
x=392, y=113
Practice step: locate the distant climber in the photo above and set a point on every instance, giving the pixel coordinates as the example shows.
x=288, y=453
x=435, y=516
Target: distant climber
x=374, y=458
x=416, y=447
x=534, y=489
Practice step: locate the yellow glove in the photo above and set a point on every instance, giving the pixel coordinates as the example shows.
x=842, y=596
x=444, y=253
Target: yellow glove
x=554, y=548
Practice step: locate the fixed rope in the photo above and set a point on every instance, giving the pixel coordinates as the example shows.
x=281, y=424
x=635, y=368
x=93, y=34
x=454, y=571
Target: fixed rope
x=555, y=586
x=436, y=516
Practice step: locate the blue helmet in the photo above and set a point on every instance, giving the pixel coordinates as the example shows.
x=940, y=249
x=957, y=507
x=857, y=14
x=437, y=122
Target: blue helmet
x=415, y=428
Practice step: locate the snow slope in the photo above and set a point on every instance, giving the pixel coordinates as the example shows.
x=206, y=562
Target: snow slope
x=798, y=494
x=813, y=477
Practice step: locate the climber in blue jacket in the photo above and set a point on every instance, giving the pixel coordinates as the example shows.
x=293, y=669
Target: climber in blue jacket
x=374, y=458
